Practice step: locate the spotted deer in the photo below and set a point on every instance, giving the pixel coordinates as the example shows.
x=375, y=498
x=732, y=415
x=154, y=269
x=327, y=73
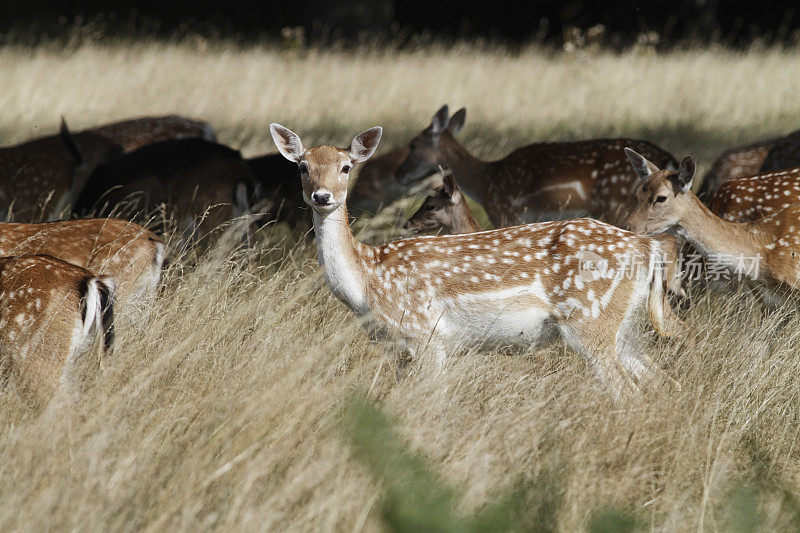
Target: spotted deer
x=377, y=185
x=46, y=175
x=535, y=182
x=583, y=279
x=134, y=133
x=445, y=210
x=754, y=197
x=130, y=254
x=764, y=253
x=52, y=315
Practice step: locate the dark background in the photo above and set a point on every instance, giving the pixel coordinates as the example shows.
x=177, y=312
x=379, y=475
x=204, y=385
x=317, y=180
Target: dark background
x=735, y=23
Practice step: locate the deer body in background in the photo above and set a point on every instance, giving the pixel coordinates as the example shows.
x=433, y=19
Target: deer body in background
x=377, y=185
x=134, y=133
x=535, y=182
x=52, y=314
x=130, y=254
x=45, y=176
x=510, y=286
x=764, y=252
x=754, y=197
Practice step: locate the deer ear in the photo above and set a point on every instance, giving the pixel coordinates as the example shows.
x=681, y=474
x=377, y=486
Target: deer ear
x=287, y=141
x=457, y=121
x=686, y=172
x=440, y=120
x=364, y=144
x=449, y=185
x=642, y=166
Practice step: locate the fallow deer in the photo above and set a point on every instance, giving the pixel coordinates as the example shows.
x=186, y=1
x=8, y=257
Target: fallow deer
x=52, y=314
x=763, y=253
x=754, y=197
x=203, y=184
x=376, y=184
x=444, y=210
x=46, y=175
x=735, y=163
x=584, y=279
x=535, y=182
x=130, y=254
x=134, y=133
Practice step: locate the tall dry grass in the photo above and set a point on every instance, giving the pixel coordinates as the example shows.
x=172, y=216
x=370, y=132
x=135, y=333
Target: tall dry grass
x=220, y=407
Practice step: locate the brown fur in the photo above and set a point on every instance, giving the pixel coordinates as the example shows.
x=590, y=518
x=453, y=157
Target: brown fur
x=754, y=197
x=42, y=311
x=123, y=250
x=36, y=175
x=134, y=133
x=735, y=163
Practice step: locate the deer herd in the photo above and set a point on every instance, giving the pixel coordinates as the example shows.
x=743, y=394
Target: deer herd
x=586, y=245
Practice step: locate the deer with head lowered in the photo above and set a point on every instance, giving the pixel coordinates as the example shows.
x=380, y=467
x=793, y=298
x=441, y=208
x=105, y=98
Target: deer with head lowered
x=52, y=314
x=764, y=252
x=583, y=279
x=535, y=182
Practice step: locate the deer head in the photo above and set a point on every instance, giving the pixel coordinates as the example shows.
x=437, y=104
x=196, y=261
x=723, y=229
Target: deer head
x=325, y=170
x=428, y=149
x=443, y=209
x=662, y=196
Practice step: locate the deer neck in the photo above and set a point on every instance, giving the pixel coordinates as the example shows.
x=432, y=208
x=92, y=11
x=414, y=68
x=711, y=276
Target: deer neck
x=711, y=235
x=472, y=173
x=464, y=221
x=343, y=258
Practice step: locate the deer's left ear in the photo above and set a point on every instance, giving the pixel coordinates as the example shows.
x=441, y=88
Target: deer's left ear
x=686, y=172
x=364, y=144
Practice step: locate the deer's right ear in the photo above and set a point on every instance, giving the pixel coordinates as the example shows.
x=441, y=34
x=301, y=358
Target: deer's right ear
x=364, y=144
x=686, y=172
x=457, y=121
x=440, y=120
x=287, y=141
x=644, y=168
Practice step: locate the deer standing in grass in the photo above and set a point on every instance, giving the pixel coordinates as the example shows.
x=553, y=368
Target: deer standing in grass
x=765, y=253
x=52, y=314
x=130, y=254
x=583, y=279
x=535, y=182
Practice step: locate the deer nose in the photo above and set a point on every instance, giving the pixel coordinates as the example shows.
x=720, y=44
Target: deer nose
x=321, y=198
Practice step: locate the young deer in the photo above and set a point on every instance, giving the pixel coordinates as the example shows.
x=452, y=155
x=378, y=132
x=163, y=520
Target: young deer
x=134, y=133
x=376, y=184
x=583, y=279
x=130, y=254
x=52, y=313
x=445, y=209
x=763, y=252
x=542, y=180
x=754, y=197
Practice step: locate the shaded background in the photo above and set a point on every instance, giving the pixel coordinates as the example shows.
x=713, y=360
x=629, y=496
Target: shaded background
x=613, y=23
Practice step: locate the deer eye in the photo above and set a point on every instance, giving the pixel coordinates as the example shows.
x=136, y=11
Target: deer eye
x=430, y=207
x=661, y=199
x=346, y=169
x=303, y=169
